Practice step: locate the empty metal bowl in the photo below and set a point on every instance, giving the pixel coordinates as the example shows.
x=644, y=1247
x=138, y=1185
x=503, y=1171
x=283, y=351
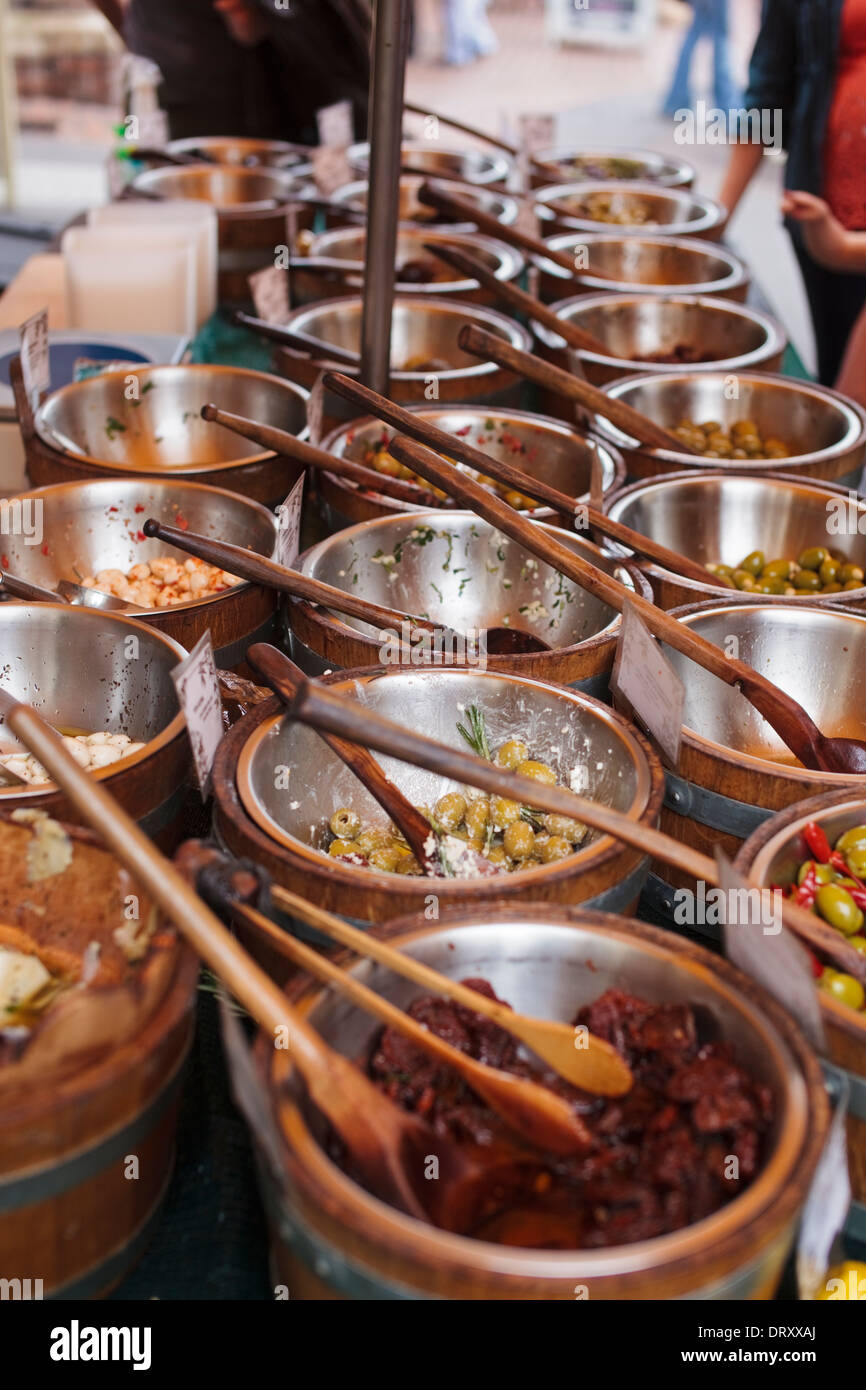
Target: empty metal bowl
x=240, y=150
x=643, y=207
x=825, y=431
x=548, y=964
x=720, y=518
x=640, y=330
x=96, y=427
x=815, y=654
x=411, y=209
x=649, y=264
x=577, y=163
x=418, y=273
x=425, y=358
x=230, y=188
x=87, y=671
x=454, y=568
x=93, y=525
x=548, y=449
x=466, y=166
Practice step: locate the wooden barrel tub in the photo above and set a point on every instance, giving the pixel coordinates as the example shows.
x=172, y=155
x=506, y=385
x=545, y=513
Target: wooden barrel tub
x=88, y=1111
x=771, y=855
x=276, y=784
x=331, y=1240
x=734, y=772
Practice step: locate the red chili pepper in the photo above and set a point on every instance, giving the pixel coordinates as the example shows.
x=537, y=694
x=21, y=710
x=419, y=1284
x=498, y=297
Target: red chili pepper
x=140, y=536
x=817, y=967
x=818, y=843
x=805, y=894
x=139, y=506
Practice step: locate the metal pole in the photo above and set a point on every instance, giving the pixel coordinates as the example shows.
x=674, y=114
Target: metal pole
x=390, y=41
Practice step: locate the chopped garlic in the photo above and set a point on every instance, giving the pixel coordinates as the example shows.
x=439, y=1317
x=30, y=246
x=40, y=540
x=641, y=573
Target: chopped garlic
x=21, y=977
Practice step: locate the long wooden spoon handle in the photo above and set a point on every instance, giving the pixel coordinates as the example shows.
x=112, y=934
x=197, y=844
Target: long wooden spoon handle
x=463, y=211
x=23, y=589
x=287, y=679
x=494, y=140
x=246, y=564
x=524, y=303
x=276, y=333
x=789, y=719
x=490, y=347
x=312, y=457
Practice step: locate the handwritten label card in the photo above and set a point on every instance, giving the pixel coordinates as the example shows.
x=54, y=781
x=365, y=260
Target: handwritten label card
x=331, y=169
x=535, y=131
x=773, y=957
x=826, y=1206
x=35, y=361
x=197, y=684
x=335, y=124
x=645, y=680
x=271, y=293
x=316, y=410
x=289, y=526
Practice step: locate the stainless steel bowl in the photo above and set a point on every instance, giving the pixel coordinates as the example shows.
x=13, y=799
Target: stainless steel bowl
x=161, y=431
x=548, y=964
x=86, y=670
x=635, y=327
x=581, y=739
x=498, y=205
x=230, y=188
x=467, y=166
x=783, y=849
x=455, y=568
x=719, y=518
x=548, y=449
x=651, y=167
x=670, y=212
x=815, y=654
x=825, y=430
x=649, y=264
x=343, y=249
x=238, y=150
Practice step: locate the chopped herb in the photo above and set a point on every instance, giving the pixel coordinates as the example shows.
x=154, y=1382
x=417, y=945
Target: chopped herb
x=113, y=427
x=437, y=591
x=476, y=734
x=462, y=586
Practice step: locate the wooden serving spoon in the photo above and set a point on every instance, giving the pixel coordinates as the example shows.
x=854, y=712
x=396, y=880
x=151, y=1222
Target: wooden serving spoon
x=472, y=130
x=281, y=442
x=538, y=1115
x=277, y=333
x=790, y=721
x=286, y=679
x=324, y=709
x=460, y=210
x=246, y=564
x=596, y=1067
x=632, y=422
x=518, y=299
x=411, y=423
x=388, y=1146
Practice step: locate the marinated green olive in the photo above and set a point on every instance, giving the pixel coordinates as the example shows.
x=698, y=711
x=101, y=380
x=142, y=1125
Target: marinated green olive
x=836, y=906
x=519, y=840
x=855, y=838
x=450, y=810
x=843, y=987
x=345, y=824
x=816, y=571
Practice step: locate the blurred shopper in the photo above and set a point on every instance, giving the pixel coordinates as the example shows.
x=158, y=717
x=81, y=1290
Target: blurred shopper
x=247, y=68
x=832, y=246
x=710, y=22
x=809, y=63
x=468, y=31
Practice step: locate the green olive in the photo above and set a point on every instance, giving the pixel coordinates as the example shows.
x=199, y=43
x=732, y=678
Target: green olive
x=777, y=569
x=813, y=558
x=519, y=840
x=753, y=562
x=833, y=588
x=384, y=859
x=511, y=753
x=856, y=861
x=829, y=570
x=824, y=873
x=450, y=810
x=539, y=772
x=855, y=838
x=853, y=584
x=563, y=827
x=345, y=823
x=743, y=580
x=859, y=944
x=554, y=847
x=477, y=816
x=339, y=848
x=849, y=572
x=835, y=904
x=843, y=987
x=503, y=812
x=770, y=586
x=806, y=579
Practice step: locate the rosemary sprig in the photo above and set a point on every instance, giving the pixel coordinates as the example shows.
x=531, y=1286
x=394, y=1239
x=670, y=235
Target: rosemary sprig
x=476, y=734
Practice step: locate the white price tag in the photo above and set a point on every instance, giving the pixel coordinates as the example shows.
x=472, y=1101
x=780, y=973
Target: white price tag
x=331, y=169
x=197, y=684
x=535, y=131
x=526, y=220
x=289, y=526
x=152, y=129
x=596, y=477
x=826, y=1206
x=271, y=293
x=316, y=410
x=335, y=124
x=767, y=951
x=644, y=678
x=35, y=361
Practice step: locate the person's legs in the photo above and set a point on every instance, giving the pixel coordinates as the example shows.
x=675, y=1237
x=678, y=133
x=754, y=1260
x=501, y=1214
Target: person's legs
x=459, y=47
x=835, y=301
x=679, y=96
x=726, y=94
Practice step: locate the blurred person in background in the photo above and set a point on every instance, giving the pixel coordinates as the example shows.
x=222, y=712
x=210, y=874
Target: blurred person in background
x=710, y=21
x=832, y=246
x=468, y=31
x=809, y=63
x=246, y=68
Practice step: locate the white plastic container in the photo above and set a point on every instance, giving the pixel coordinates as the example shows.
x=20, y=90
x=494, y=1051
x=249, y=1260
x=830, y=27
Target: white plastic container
x=117, y=280
x=201, y=219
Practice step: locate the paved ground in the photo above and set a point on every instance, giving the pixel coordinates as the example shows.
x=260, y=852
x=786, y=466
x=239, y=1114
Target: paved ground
x=599, y=95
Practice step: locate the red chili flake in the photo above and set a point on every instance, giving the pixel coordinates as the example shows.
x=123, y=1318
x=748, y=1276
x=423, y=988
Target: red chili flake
x=114, y=509
x=4, y=561
x=140, y=536
x=182, y=522
x=465, y=430
x=46, y=550
x=139, y=506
